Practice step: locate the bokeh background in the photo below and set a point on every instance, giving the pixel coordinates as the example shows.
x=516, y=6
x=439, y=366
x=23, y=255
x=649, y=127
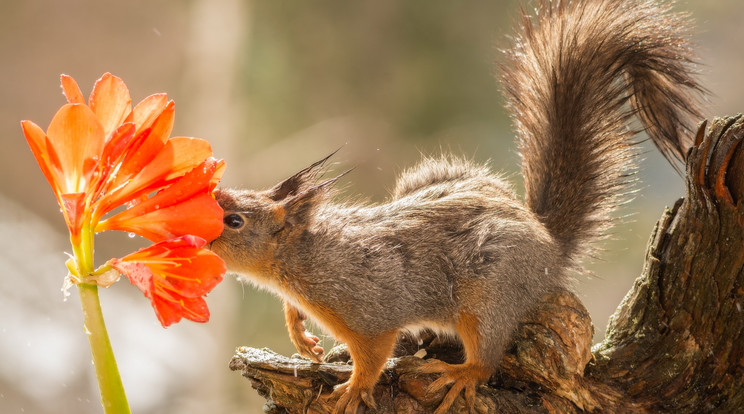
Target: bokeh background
x=274, y=85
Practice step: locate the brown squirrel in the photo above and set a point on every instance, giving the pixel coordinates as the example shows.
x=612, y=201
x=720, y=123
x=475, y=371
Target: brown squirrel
x=454, y=249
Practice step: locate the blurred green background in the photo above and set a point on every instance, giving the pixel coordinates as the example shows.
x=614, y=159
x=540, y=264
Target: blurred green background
x=274, y=85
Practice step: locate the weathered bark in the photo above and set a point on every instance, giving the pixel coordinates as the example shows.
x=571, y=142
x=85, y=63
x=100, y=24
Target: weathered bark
x=675, y=343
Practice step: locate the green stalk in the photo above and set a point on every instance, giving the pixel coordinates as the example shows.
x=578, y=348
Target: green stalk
x=113, y=398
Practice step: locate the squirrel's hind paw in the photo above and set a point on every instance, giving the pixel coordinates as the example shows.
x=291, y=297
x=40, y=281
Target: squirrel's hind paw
x=349, y=398
x=464, y=378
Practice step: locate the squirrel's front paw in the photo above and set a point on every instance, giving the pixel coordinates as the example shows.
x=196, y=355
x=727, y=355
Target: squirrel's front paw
x=349, y=398
x=307, y=345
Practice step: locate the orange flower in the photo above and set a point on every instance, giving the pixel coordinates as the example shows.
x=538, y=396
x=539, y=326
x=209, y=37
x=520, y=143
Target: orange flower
x=99, y=156
x=106, y=154
x=174, y=275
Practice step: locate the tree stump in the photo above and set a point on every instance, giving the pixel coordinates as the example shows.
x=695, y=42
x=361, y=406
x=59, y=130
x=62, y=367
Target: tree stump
x=675, y=343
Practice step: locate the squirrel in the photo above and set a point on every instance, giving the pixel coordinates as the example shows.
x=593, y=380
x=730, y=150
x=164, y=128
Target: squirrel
x=454, y=248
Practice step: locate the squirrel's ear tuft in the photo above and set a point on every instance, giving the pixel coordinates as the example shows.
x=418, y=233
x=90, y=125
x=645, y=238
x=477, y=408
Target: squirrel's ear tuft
x=288, y=187
x=299, y=182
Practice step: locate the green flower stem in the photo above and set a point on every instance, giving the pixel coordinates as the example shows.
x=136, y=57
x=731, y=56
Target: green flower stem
x=113, y=398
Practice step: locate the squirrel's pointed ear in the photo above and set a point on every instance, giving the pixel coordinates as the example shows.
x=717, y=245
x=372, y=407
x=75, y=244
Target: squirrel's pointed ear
x=299, y=208
x=298, y=182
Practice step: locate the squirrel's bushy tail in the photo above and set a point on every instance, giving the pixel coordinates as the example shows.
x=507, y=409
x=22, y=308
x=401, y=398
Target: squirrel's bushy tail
x=576, y=76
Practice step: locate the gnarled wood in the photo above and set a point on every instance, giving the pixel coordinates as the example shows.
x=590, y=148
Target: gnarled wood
x=675, y=343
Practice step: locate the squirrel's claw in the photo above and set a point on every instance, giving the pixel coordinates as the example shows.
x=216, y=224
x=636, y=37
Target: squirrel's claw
x=464, y=378
x=349, y=398
x=305, y=342
x=307, y=346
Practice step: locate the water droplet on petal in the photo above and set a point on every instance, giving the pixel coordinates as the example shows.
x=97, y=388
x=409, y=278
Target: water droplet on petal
x=131, y=235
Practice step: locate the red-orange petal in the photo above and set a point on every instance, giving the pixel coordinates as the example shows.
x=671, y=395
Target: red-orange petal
x=148, y=110
x=175, y=274
x=184, y=207
x=170, y=312
x=166, y=248
x=147, y=143
x=111, y=103
x=114, y=148
x=77, y=138
x=113, y=151
x=167, y=310
x=199, y=215
x=138, y=274
x=71, y=90
x=73, y=206
x=196, y=274
x=72, y=203
x=176, y=158
x=181, y=265
x=217, y=175
x=37, y=140
x=179, y=156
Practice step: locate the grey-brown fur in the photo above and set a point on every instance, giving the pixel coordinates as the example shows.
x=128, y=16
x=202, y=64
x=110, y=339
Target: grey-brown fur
x=454, y=239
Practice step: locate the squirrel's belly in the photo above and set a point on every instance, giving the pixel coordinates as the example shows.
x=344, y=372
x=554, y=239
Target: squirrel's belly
x=447, y=330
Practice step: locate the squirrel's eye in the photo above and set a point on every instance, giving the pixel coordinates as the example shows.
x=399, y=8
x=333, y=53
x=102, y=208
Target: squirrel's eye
x=233, y=221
